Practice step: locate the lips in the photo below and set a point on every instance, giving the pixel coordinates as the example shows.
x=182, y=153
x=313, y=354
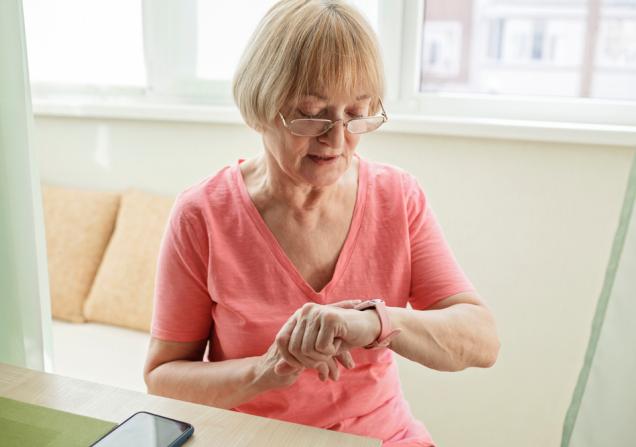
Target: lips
x=323, y=159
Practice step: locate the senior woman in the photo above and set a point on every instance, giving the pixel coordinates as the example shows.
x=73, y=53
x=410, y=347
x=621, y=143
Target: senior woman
x=297, y=265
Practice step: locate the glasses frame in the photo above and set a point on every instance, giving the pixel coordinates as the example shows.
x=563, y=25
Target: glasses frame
x=331, y=123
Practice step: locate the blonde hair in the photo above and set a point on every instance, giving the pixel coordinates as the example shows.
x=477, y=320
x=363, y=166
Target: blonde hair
x=302, y=47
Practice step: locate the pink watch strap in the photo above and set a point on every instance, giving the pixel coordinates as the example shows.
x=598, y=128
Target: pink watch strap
x=387, y=333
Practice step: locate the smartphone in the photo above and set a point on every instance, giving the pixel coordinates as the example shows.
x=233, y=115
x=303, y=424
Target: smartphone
x=144, y=429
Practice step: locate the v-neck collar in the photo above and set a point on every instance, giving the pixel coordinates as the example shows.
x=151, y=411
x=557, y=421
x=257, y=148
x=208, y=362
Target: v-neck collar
x=279, y=253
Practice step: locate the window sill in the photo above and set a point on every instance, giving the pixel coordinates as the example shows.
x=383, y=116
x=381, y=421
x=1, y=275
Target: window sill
x=465, y=127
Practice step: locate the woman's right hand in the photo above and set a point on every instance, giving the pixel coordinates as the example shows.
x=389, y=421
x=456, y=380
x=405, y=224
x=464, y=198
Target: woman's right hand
x=325, y=363
x=269, y=376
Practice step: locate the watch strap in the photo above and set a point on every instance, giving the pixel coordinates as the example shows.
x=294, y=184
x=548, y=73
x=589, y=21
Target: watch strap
x=387, y=333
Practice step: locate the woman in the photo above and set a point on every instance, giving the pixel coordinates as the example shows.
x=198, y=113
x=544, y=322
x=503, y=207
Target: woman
x=274, y=260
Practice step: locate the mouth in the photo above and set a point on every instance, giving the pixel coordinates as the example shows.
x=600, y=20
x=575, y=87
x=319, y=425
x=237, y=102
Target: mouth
x=320, y=159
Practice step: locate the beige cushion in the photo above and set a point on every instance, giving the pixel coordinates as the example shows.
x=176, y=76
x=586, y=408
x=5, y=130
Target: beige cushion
x=123, y=289
x=79, y=224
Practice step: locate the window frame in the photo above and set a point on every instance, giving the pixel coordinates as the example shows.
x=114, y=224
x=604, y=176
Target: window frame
x=443, y=113
x=402, y=58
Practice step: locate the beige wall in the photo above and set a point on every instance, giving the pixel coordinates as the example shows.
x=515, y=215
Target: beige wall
x=531, y=223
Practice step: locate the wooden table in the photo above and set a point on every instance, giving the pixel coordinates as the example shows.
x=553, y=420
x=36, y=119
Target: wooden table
x=212, y=426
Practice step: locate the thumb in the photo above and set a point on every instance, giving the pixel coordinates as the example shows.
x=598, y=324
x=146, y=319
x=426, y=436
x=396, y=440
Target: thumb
x=346, y=304
x=283, y=368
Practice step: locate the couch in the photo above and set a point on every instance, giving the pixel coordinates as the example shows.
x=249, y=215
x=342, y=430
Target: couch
x=102, y=248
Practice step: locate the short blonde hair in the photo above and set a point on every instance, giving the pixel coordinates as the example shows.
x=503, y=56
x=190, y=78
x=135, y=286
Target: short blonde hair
x=302, y=47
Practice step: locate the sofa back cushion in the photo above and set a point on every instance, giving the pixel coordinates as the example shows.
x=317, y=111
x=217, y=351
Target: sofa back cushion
x=78, y=225
x=123, y=289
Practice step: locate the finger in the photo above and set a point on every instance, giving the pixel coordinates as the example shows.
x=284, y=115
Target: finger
x=347, y=304
x=302, y=344
x=325, y=339
x=296, y=339
x=295, y=349
x=283, y=368
x=342, y=346
x=334, y=371
x=323, y=370
x=282, y=341
x=309, y=353
x=346, y=359
x=308, y=347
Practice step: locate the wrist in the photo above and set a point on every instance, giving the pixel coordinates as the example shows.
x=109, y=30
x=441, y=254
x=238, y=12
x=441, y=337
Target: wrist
x=255, y=377
x=372, y=324
x=387, y=332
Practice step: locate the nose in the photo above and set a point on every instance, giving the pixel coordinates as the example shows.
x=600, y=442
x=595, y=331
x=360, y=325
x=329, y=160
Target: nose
x=335, y=136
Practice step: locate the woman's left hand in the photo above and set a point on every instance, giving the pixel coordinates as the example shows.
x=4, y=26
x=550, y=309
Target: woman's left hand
x=317, y=332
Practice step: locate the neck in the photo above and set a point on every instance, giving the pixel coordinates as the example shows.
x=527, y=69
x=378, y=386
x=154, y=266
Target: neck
x=270, y=186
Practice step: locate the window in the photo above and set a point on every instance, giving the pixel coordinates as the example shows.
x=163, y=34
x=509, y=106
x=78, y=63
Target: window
x=571, y=48
x=85, y=42
x=223, y=29
x=186, y=50
x=219, y=40
x=531, y=60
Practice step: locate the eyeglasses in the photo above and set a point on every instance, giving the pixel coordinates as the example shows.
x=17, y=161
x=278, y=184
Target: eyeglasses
x=314, y=127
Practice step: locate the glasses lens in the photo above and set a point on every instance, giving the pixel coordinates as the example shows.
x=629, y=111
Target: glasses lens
x=363, y=125
x=308, y=127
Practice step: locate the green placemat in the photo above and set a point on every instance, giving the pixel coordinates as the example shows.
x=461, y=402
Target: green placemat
x=23, y=424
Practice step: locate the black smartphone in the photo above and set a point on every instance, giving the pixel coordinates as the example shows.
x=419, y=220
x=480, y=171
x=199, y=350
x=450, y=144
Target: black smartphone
x=144, y=429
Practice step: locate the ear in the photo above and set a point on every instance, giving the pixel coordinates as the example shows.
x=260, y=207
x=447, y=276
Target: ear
x=262, y=127
x=257, y=127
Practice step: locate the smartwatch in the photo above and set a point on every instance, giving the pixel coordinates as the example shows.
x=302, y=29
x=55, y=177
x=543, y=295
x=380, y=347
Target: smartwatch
x=386, y=332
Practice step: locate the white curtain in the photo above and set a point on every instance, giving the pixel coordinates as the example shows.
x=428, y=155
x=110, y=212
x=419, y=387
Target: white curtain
x=25, y=316
x=603, y=409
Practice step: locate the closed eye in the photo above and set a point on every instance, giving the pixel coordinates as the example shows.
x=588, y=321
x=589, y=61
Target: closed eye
x=320, y=115
x=309, y=115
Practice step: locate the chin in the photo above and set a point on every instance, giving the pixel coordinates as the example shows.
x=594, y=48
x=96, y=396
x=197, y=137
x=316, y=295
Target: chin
x=321, y=176
x=321, y=180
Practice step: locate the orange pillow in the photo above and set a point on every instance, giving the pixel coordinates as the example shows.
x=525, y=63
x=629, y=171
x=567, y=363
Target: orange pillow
x=123, y=288
x=78, y=225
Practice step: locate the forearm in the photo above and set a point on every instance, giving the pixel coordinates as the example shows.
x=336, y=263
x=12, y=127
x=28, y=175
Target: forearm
x=224, y=384
x=450, y=339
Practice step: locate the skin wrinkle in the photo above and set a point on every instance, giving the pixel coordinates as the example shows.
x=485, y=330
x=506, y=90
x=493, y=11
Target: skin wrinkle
x=465, y=333
x=436, y=339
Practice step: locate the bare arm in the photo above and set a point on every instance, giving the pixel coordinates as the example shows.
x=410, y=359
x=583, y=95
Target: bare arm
x=457, y=333
x=175, y=369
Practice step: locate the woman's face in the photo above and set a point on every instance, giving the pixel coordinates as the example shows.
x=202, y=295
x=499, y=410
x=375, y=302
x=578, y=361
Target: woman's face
x=316, y=161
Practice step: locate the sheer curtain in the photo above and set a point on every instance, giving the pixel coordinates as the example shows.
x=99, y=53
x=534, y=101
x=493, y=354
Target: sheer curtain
x=603, y=406
x=25, y=316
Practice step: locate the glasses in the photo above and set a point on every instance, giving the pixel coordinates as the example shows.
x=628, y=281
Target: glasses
x=314, y=127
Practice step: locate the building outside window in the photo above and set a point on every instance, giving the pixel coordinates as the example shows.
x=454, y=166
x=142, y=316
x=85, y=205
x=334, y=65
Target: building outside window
x=575, y=48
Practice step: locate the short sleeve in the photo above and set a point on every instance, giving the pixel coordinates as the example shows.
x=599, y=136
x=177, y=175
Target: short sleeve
x=182, y=308
x=435, y=273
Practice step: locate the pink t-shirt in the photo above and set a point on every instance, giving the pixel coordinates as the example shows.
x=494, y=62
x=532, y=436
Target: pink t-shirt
x=222, y=275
